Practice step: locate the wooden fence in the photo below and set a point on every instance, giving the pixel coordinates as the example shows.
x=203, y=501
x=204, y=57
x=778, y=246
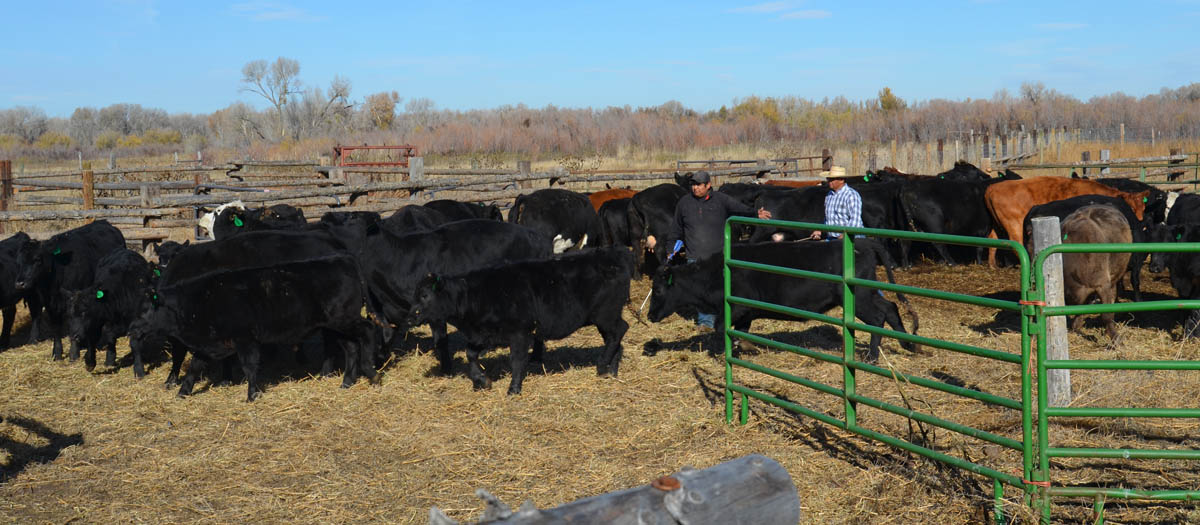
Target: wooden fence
x=148, y=210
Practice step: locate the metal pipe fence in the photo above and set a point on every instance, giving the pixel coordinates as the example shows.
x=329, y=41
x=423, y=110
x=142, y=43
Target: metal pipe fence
x=1035, y=479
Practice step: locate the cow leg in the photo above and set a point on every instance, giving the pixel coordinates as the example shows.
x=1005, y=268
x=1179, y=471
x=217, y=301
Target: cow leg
x=195, y=368
x=56, y=349
x=519, y=357
x=89, y=355
x=539, y=351
x=441, y=345
x=611, y=332
x=1191, y=325
x=474, y=371
x=368, y=343
x=110, y=352
x=35, y=317
x=177, y=355
x=1135, y=275
x=944, y=253
x=10, y=313
x=891, y=315
x=1109, y=296
x=250, y=354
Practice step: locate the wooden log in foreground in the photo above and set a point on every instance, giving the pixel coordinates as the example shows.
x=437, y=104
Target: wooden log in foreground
x=750, y=489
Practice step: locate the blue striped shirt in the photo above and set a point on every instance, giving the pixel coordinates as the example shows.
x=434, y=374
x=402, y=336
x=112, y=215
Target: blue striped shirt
x=843, y=208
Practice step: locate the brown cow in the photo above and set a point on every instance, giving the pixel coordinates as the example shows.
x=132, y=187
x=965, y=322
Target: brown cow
x=600, y=197
x=794, y=183
x=1094, y=274
x=1009, y=201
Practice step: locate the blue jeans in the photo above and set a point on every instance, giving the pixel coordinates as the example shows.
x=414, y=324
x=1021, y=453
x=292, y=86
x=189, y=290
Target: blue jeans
x=702, y=319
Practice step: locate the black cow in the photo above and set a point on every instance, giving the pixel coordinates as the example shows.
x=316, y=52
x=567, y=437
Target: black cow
x=614, y=223
x=66, y=262
x=567, y=217
x=350, y=227
x=964, y=171
x=1185, y=210
x=413, y=218
x=394, y=265
x=102, y=312
x=234, y=221
x=1065, y=207
x=460, y=211
x=1156, y=202
x=952, y=206
x=167, y=250
x=524, y=303
x=797, y=205
x=651, y=213
x=223, y=313
x=1184, y=269
x=696, y=287
x=9, y=295
x=249, y=250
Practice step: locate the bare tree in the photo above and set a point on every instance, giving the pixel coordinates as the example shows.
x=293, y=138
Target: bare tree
x=380, y=109
x=273, y=81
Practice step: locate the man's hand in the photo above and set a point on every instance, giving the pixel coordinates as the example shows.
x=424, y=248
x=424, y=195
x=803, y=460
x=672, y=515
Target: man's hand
x=816, y=235
x=651, y=242
x=764, y=214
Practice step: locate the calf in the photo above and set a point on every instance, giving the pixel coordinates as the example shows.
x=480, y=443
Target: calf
x=394, y=265
x=1094, y=274
x=946, y=206
x=9, y=295
x=1063, y=208
x=102, y=312
x=563, y=215
x=614, y=223
x=651, y=214
x=697, y=287
x=64, y=263
x=460, y=211
x=519, y=304
x=234, y=312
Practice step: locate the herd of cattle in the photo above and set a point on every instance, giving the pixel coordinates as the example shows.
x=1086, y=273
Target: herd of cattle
x=353, y=283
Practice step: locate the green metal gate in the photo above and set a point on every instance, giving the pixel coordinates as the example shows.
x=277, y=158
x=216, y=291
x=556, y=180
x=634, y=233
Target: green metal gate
x=1034, y=479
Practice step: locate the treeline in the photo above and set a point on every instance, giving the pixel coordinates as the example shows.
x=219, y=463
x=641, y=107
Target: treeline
x=317, y=116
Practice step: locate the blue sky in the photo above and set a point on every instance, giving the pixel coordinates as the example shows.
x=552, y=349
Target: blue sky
x=187, y=56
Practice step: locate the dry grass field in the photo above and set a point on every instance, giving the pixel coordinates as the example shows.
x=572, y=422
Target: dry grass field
x=105, y=448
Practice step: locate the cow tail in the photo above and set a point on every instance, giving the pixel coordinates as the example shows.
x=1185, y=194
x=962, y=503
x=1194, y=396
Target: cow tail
x=514, y=214
x=888, y=264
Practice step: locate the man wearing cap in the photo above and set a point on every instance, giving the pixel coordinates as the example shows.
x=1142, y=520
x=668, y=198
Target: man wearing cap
x=843, y=205
x=699, y=225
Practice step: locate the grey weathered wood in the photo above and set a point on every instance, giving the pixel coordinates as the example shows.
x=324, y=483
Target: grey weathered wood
x=750, y=489
x=43, y=215
x=1046, y=233
x=523, y=167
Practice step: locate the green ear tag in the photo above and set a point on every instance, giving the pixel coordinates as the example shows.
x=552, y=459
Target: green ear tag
x=237, y=221
x=157, y=272
x=867, y=177
x=1064, y=236
x=941, y=176
x=1178, y=236
x=99, y=294
x=155, y=297
x=57, y=251
x=1145, y=199
x=670, y=279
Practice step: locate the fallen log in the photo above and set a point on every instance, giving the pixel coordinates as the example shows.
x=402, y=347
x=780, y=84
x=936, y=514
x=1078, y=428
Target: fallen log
x=750, y=489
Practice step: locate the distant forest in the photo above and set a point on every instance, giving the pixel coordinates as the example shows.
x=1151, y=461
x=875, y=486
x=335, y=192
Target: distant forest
x=304, y=118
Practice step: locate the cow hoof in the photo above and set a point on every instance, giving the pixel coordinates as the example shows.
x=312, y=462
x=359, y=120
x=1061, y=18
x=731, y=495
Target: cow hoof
x=89, y=367
x=514, y=391
x=224, y=383
x=250, y=398
x=483, y=385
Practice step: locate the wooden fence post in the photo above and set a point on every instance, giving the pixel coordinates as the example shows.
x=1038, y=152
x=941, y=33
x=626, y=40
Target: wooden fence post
x=89, y=189
x=1046, y=233
x=523, y=166
x=1122, y=133
x=6, y=188
x=1085, y=157
x=1104, y=155
x=416, y=172
x=826, y=160
x=941, y=161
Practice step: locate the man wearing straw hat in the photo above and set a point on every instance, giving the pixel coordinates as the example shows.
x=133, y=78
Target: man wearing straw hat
x=843, y=205
x=699, y=226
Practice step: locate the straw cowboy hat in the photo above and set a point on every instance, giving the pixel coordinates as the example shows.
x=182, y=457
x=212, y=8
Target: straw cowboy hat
x=835, y=172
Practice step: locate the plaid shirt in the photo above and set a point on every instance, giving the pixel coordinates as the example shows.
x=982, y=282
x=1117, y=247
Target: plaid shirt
x=843, y=208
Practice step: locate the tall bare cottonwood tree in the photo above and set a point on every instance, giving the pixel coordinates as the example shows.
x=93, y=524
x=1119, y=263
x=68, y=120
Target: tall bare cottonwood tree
x=273, y=81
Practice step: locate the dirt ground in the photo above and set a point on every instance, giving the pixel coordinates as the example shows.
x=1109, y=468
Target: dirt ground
x=104, y=447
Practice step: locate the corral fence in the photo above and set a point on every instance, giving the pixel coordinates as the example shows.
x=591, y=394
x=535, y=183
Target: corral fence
x=1033, y=475
x=147, y=202
x=1167, y=170
x=809, y=166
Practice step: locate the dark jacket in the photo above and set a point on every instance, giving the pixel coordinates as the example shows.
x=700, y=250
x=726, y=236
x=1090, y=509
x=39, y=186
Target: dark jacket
x=701, y=222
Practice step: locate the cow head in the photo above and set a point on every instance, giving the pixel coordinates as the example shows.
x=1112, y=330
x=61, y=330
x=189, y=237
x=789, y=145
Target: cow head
x=36, y=260
x=207, y=220
x=83, y=314
x=435, y=299
x=1137, y=201
x=674, y=289
x=493, y=212
x=684, y=180
x=1162, y=233
x=167, y=250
